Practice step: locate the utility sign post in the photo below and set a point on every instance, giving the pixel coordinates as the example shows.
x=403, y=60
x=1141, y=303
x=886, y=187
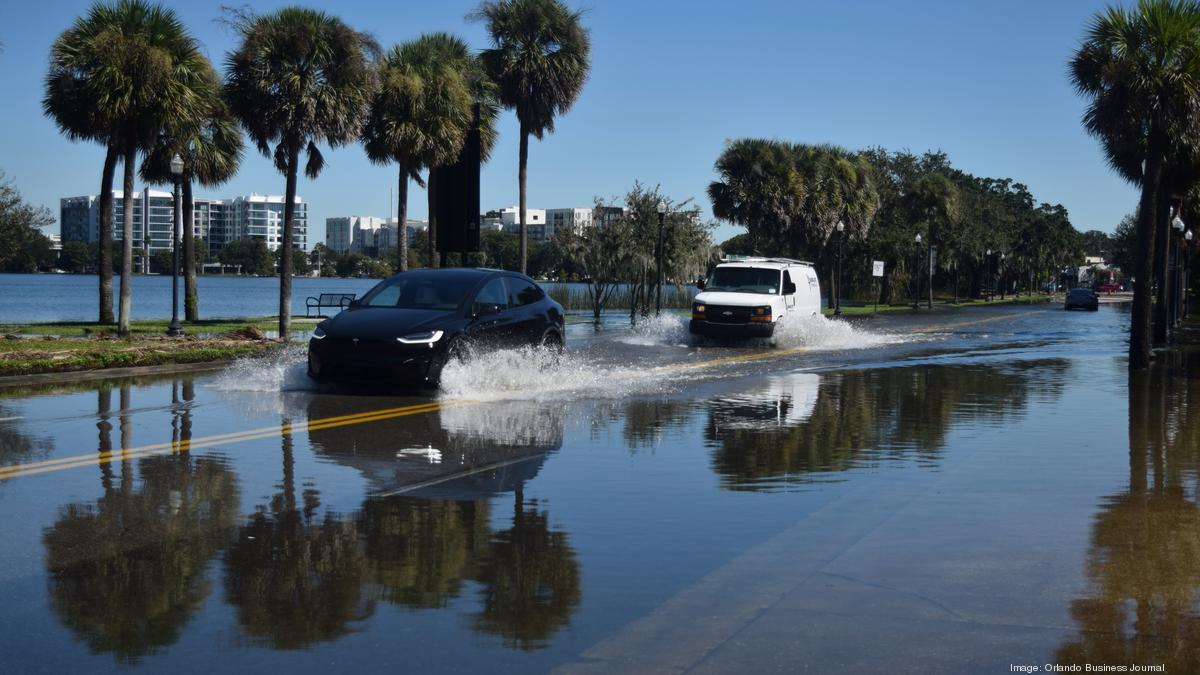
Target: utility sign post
x=876, y=273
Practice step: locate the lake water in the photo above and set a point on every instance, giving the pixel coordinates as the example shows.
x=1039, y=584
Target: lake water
x=41, y=298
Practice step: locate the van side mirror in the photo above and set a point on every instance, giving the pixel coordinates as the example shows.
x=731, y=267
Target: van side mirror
x=702, y=283
x=789, y=288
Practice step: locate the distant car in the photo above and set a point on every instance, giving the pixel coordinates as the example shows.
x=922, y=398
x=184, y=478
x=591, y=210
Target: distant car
x=405, y=329
x=1108, y=288
x=1082, y=298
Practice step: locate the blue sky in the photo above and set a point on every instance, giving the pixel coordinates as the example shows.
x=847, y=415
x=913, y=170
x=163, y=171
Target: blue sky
x=671, y=81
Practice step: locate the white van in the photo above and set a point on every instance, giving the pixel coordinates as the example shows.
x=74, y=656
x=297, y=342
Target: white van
x=747, y=297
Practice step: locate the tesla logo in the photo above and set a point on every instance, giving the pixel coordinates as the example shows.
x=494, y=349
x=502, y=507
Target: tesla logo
x=355, y=341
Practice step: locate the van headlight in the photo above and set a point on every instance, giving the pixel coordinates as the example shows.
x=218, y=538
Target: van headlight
x=698, y=310
x=318, y=333
x=761, y=313
x=425, y=338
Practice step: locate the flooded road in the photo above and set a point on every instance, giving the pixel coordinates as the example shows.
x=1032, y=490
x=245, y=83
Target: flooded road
x=959, y=492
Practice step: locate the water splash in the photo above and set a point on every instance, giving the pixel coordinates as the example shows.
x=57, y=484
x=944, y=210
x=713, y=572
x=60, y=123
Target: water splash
x=665, y=329
x=538, y=374
x=821, y=334
x=285, y=370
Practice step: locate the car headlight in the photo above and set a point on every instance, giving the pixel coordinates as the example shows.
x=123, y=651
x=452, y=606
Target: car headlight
x=318, y=333
x=425, y=338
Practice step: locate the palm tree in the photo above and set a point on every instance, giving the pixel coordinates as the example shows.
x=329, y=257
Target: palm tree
x=298, y=78
x=420, y=116
x=211, y=149
x=115, y=77
x=1140, y=68
x=934, y=200
x=539, y=58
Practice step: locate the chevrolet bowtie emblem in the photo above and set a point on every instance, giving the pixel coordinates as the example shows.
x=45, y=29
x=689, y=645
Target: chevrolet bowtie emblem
x=726, y=313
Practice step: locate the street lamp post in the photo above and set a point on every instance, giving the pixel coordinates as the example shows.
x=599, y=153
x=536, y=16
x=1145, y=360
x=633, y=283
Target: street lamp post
x=989, y=274
x=837, y=298
x=175, y=330
x=1187, y=239
x=1003, y=290
x=662, y=213
x=917, y=273
x=1177, y=296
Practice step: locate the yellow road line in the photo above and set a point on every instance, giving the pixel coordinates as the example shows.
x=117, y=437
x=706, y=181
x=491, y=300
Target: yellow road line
x=934, y=329
x=98, y=458
x=218, y=439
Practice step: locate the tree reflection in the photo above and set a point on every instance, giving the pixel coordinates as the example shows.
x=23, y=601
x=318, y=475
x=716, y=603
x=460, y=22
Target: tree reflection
x=294, y=579
x=861, y=418
x=127, y=572
x=531, y=580
x=1144, y=562
x=420, y=551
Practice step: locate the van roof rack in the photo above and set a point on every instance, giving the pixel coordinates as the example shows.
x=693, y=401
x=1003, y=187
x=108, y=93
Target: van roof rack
x=753, y=259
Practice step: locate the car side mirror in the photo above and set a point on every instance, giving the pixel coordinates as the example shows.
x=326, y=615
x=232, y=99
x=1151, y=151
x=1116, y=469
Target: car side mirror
x=354, y=303
x=789, y=288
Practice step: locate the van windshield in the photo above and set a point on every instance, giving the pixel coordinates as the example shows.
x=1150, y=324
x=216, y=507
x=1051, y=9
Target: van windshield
x=744, y=280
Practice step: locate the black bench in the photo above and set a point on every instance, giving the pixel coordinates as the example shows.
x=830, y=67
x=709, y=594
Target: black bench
x=339, y=300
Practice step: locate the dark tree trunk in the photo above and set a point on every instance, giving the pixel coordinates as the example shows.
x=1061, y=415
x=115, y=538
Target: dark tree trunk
x=1162, y=242
x=521, y=175
x=431, y=193
x=1139, y=330
x=285, y=254
x=103, y=408
x=105, y=260
x=191, y=298
x=126, y=305
x=402, y=219
x=956, y=280
x=929, y=271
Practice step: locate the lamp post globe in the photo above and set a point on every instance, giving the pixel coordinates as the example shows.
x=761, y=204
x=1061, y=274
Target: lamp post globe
x=662, y=212
x=175, y=330
x=837, y=290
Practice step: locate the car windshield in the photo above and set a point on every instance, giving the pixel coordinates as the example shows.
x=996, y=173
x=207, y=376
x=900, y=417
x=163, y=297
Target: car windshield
x=420, y=291
x=744, y=280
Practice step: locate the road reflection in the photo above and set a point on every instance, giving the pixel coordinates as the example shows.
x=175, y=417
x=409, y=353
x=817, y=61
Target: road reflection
x=127, y=572
x=1144, y=560
x=803, y=428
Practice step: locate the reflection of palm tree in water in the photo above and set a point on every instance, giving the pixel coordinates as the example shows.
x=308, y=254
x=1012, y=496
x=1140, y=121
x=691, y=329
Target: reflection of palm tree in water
x=531, y=580
x=1144, y=563
x=127, y=572
x=294, y=580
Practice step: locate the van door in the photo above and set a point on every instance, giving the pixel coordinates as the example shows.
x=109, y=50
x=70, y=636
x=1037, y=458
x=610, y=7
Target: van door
x=789, y=299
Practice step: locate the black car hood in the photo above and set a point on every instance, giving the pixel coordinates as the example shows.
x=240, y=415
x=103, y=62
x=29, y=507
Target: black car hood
x=381, y=323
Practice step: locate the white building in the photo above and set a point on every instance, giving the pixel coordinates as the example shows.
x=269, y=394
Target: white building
x=366, y=234
x=575, y=220
x=218, y=221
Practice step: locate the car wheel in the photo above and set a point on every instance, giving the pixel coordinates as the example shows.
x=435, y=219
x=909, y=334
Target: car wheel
x=553, y=341
x=455, y=350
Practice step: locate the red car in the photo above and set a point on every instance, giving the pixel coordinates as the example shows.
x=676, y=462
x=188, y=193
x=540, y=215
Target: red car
x=1108, y=288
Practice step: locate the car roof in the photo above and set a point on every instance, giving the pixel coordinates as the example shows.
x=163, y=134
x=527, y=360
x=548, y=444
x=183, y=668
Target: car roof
x=457, y=273
x=768, y=263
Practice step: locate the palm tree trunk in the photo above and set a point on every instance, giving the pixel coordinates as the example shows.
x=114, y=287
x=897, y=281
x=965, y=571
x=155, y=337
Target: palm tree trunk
x=956, y=280
x=929, y=271
x=431, y=193
x=104, y=260
x=1162, y=241
x=402, y=219
x=126, y=305
x=285, y=255
x=191, y=299
x=521, y=181
x=104, y=407
x=1139, y=330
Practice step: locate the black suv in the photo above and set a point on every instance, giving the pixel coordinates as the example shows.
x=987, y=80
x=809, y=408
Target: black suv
x=405, y=329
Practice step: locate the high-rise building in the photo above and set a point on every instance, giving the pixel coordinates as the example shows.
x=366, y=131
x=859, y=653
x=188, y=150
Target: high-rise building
x=366, y=234
x=217, y=221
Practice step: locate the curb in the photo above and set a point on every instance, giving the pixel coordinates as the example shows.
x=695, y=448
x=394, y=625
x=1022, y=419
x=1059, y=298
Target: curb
x=70, y=376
